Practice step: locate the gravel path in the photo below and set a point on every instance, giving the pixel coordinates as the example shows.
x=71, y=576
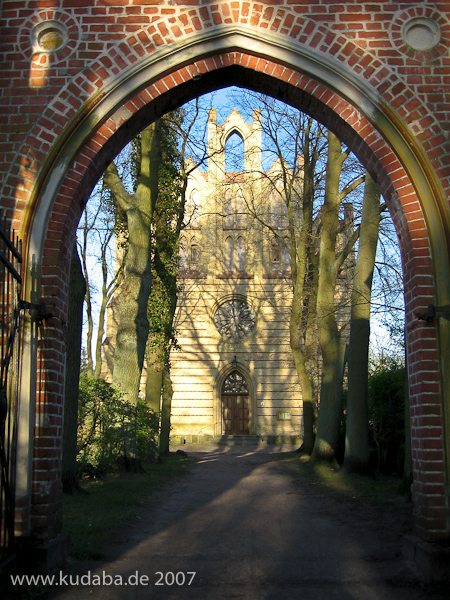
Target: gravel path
x=249, y=530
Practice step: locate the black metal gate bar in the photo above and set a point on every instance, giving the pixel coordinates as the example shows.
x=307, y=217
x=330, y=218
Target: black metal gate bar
x=10, y=260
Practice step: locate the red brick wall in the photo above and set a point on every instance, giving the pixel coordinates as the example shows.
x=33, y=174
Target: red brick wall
x=45, y=97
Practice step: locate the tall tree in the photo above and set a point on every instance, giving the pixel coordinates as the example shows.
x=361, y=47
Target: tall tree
x=356, y=438
x=182, y=153
x=167, y=393
x=330, y=263
x=302, y=323
x=167, y=220
x=311, y=179
x=138, y=207
x=99, y=225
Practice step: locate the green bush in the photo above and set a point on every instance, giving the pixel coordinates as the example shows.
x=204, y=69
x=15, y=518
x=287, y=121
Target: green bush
x=147, y=431
x=386, y=406
x=110, y=429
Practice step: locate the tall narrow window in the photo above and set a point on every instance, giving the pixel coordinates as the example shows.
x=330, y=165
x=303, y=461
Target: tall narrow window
x=240, y=254
x=229, y=251
x=240, y=210
x=275, y=255
x=229, y=209
x=235, y=210
x=194, y=255
x=234, y=154
x=286, y=254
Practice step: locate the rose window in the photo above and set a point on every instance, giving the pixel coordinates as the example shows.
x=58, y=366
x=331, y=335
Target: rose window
x=234, y=319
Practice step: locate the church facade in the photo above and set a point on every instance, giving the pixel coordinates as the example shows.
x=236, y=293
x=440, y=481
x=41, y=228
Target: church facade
x=234, y=373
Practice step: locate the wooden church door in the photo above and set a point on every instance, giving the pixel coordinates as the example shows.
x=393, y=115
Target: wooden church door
x=235, y=405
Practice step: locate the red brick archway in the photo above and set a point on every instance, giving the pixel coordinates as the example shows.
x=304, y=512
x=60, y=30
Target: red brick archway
x=350, y=86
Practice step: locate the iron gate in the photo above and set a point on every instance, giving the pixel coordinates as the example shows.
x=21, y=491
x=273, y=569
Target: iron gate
x=10, y=261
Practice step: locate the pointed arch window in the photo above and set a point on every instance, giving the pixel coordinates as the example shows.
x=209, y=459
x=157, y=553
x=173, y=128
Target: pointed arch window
x=189, y=257
x=276, y=255
x=240, y=254
x=280, y=256
x=234, y=153
x=194, y=255
x=229, y=254
x=235, y=384
x=235, y=210
x=286, y=254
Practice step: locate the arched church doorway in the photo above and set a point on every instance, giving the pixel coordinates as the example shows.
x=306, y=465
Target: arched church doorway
x=235, y=405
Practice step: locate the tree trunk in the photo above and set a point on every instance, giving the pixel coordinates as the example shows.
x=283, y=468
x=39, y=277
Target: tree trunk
x=77, y=291
x=307, y=400
x=100, y=333
x=328, y=425
x=132, y=331
x=299, y=356
x=167, y=393
x=153, y=386
x=303, y=310
x=356, y=439
x=133, y=325
x=330, y=407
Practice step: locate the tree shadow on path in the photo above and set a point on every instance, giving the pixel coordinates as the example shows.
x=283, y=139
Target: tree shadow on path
x=251, y=526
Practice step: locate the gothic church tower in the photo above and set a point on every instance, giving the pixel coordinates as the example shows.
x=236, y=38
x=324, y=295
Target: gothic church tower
x=234, y=373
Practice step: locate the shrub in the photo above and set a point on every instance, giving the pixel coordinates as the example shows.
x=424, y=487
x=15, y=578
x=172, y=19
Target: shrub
x=111, y=429
x=147, y=431
x=386, y=406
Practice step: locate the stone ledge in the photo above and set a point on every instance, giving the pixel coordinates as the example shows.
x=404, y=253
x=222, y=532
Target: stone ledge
x=431, y=560
x=181, y=440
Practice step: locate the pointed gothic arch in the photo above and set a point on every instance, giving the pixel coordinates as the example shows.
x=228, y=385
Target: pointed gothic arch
x=235, y=405
x=59, y=175
x=226, y=373
x=234, y=152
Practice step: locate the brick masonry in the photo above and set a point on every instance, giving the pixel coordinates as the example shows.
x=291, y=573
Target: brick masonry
x=60, y=124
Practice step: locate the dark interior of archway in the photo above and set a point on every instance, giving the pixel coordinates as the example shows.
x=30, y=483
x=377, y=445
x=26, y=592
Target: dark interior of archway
x=240, y=77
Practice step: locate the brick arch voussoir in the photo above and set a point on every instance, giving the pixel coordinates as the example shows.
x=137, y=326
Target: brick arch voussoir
x=170, y=26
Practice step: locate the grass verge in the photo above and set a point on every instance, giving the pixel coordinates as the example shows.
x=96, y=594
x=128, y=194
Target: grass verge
x=93, y=519
x=381, y=489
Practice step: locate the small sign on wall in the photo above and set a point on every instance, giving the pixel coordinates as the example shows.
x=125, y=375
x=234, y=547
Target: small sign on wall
x=284, y=415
